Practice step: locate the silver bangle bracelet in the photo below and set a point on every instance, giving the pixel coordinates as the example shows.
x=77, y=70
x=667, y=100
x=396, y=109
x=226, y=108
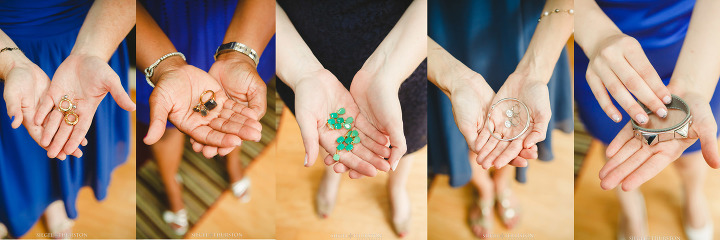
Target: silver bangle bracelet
x=151, y=69
x=510, y=113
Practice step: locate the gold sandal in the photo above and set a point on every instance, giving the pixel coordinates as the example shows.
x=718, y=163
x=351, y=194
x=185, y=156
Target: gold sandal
x=480, y=216
x=505, y=208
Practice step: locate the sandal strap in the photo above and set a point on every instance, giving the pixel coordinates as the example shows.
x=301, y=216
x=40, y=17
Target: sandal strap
x=178, y=218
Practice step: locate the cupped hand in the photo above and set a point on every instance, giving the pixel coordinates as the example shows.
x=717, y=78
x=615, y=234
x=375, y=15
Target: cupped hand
x=239, y=78
x=25, y=84
x=85, y=80
x=319, y=93
x=471, y=99
x=534, y=94
x=620, y=66
x=632, y=162
x=178, y=90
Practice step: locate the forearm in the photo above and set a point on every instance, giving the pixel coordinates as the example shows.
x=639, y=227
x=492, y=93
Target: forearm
x=444, y=69
x=106, y=25
x=593, y=26
x=154, y=45
x=403, y=49
x=548, y=41
x=294, y=57
x=698, y=66
x=8, y=59
x=253, y=24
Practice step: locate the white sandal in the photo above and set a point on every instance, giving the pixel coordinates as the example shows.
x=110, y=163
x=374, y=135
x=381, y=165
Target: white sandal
x=178, y=221
x=241, y=189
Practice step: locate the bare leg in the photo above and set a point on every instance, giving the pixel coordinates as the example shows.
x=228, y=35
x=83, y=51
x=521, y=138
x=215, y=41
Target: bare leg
x=481, y=219
x=234, y=166
x=693, y=169
x=327, y=191
x=508, y=205
x=57, y=220
x=399, y=199
x=168, y=153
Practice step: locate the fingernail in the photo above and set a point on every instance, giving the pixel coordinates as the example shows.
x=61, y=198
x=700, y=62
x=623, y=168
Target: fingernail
x=306, y=157
x=667, y=99
x=395, y=165
x=641, y=118
x=616, y=118
x=662, y=113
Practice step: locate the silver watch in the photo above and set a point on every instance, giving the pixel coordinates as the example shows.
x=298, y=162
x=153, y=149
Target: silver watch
x=678, y=131
x=236, y=46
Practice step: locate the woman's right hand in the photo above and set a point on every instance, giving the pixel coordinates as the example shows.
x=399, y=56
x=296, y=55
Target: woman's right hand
x=319, y=93
x=178, y=89
x=619, y=65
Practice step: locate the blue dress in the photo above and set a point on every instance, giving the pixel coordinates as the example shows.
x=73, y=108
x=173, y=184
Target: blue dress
x=196, y=29
x=46, y=31
x=660, y=27
x=490, y=37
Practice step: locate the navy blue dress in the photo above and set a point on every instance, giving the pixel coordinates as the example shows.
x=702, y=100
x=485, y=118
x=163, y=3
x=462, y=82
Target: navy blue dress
x=490, y=37
x=342, y=35
x=196, y=28
x=46, y=31
x=660, y=27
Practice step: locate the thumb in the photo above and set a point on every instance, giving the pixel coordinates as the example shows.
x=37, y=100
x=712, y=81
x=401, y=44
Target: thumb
x=118, y=93
x=13, y=103
x=309, y=132
x=158, y=120
x=709, y=144
x=539, y=129
x=399, y=147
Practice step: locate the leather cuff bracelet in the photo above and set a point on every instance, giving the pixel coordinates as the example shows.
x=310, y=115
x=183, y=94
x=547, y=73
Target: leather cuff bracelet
x=678, y=131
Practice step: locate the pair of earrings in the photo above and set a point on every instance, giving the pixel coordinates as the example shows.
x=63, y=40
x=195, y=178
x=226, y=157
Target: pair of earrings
x=204, y=107
x=350, y=138
x=512, y=116
x=71, y=118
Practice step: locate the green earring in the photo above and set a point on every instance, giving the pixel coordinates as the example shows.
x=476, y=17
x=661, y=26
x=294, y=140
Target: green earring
x=348, y=141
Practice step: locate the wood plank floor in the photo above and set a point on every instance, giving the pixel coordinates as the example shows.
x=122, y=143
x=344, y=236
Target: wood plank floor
x=596, y=211
x=362, y=207
x=546, y=200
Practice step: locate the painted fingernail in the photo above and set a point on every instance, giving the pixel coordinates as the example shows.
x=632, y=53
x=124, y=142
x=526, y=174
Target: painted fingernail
x=616, y=118
x=395, y=165
x=641, y=118
x=662, y=113
x=306, y=157
x=667, y=99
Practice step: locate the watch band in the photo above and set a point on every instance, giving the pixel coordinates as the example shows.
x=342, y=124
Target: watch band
x=151, y=69
x=678, y=131
x=239, y=47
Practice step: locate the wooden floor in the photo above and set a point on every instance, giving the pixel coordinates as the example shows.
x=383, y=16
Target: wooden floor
x=596, y=211
x=546, y=200
x=362, y=208
x=114, y=217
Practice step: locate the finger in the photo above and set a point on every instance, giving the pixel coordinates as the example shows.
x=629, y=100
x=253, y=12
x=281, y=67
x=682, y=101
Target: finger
x=369, y=130
x=209, y=151
x=368, y=156
x=485, y=151
x=627, y=166
x=339, y=168
x=78, y=153
x=44, y=107
x=601, y=94
x=398, y=146
x=240, y=109
x=50, y=128
x=637, y=86
x=355, y=163
x=14, y=109
x=509, y=154
x=380, y=150
x=529, y=153
x=540, y=120
x=242, y=130
x=118, y=92
x=208, y=136
x=622, y=96
x=84, y=142
x=501, y=146
x=225, y=151
x=519, y=162
x=59, y=140
x=622, y=137
x=483, y=137
x=709, y=142
x=645, y=172
x=158, y=121
x=309, y=133
x=244, y=116
x=638, y=60
x=628, y=149
x=355, y=175
x=61, y=156
x=78, y=134
x=196, y=146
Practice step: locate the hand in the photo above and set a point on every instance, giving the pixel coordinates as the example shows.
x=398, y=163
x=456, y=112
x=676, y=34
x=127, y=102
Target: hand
x=470, y=118
x=25, y=84
x=534, y=93
x=620, y=65
x=238, y=76
x=632, y=163
x=178, y=89
x=319, y=93
x=86, y=80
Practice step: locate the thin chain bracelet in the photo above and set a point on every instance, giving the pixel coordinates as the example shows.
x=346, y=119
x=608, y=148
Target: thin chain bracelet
x=9, y=49
x=546, y=13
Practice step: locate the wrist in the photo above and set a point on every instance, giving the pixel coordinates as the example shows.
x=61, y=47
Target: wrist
x=11, y=59
x=234, y=56
x=684, y=85
x=168, y=65
x=533, y=71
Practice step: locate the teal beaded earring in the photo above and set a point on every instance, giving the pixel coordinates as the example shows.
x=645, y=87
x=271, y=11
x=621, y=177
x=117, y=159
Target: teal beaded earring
x=350, y=138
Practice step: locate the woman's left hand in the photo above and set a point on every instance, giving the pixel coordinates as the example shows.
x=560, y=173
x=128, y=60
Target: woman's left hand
x=85, y=79
x=632, y=162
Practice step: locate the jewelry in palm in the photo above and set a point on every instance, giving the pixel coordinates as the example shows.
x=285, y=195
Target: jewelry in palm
x=512, y=118
x=67, y=107
x=680, y=130
x=351, y=137
x=204, y=107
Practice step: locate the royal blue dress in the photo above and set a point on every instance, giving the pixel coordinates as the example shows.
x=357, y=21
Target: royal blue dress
x=46, y=31
x=490, y=37
x=196, y=29
x=660, y=27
